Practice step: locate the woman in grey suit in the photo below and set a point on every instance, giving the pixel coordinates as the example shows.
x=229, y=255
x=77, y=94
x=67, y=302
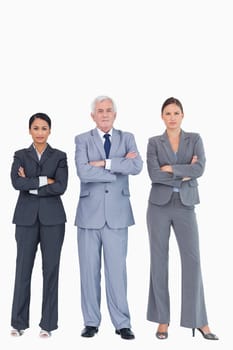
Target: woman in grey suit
x=40, y=175
x=175, y=160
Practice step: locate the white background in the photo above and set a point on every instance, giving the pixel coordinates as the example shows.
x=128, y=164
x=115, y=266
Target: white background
x=56, y=56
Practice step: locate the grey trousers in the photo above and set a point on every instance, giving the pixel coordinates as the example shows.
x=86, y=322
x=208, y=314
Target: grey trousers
x=113, y=243
x=182, y=219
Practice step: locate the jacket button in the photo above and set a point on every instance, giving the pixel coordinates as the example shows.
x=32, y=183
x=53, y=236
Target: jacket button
x=106, y=191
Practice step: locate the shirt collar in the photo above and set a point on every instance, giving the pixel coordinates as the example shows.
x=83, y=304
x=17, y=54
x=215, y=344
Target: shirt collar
x=101, y=133
x=39, y=154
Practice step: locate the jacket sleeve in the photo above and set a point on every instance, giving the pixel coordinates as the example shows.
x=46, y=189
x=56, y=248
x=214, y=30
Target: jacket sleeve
x=192, y=170
x=85, y=171
x=60, y=184
x=153, y=166
x=127, y=166
x=22, y=183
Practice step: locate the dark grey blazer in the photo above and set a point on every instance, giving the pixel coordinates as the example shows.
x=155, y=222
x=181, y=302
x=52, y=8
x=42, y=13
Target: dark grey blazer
x=47, y=205
x=159, y=153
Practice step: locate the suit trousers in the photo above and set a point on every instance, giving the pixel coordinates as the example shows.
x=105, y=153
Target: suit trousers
x=51, y=240
x=113, y=242
x=182, y=219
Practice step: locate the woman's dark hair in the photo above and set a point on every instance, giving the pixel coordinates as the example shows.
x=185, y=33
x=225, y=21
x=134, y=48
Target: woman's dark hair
x=172, y=100
x=43, y=116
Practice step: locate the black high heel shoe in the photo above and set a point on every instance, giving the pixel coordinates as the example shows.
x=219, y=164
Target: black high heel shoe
x=209, y=336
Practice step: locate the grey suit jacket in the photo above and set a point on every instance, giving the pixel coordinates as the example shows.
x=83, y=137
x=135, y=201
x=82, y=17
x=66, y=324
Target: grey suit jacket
x=104, y=195
x=47, y=205
x=159, y=153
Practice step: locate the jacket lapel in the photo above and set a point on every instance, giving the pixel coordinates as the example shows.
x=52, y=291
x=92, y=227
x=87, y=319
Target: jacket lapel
x=98, y=142
x=46, y=154
x=167, y=147
x=115, y=142
x=184, y=139
x=32, y=153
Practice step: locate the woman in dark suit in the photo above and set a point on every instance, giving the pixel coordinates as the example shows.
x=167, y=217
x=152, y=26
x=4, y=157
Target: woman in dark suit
x=175, y=160
x=40, y=175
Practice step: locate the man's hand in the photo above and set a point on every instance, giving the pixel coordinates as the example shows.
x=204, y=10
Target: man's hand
x=97, y=163
x=131, y=155
x=101, y=163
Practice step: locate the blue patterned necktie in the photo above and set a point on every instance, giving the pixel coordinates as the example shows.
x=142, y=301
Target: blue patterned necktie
x=107, y=144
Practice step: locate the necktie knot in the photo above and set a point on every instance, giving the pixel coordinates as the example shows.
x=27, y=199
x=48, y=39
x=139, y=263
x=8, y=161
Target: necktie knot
x=107, y=144
x=106, y=136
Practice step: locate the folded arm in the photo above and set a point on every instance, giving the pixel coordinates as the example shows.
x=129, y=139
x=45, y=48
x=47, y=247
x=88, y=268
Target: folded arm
x=193, y=170
x=53, y=187
x=18, y=178
x=58, y=184
x=90, y=171
x=131, y=163
x=156, y=173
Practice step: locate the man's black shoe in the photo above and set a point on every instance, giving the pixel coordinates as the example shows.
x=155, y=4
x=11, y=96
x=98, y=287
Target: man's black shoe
x=89, y=331
x=125, y=333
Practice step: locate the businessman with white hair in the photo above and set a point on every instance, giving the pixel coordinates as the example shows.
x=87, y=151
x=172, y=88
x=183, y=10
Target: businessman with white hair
x=105, y=157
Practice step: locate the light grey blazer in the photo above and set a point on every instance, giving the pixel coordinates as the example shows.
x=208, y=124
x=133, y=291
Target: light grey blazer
x=159, y=153
x=104, y=195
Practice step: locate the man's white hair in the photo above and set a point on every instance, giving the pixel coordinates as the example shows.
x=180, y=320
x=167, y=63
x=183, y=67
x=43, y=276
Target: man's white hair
x=100, y=99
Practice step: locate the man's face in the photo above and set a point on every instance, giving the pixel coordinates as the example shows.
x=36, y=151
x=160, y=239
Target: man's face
x=104, y=115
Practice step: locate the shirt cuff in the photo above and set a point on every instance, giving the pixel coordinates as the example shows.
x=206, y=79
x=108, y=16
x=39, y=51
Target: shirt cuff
x=43, y=181
x=33, y=191
x=108, y=164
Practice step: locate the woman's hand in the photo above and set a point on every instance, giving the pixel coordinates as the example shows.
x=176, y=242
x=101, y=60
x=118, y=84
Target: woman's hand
x=194, y=160
x=167, y=168
x=50, y=181
x=21, y=172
